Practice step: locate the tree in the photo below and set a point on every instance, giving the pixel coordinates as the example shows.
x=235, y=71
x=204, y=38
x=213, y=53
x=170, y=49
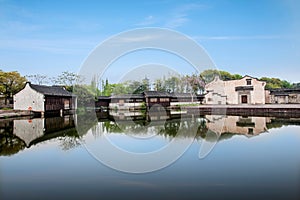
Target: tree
x=38, y=79
x=136, y=87
x=119, y=88
x=171, y=84
x=209, y=75
x=107, y=88
x=11, y=83
x=196, y=83
x=273, y=83
x=85, y=96
x=159, y=86
x=296, y=85
x=68, y=79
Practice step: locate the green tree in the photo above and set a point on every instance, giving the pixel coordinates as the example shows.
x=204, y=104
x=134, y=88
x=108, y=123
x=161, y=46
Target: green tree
x=171, y=84
x=107, y=89
x=85, y=96
x=159, y=86
x=137, y=87
x=273, y=83
x=209, y=75
x=119, y=88
x=11, y=83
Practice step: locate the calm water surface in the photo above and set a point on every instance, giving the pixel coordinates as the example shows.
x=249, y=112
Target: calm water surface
x=255, y=157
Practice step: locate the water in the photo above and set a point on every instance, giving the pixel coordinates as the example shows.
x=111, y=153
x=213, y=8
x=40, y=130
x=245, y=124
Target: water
x=255, y=157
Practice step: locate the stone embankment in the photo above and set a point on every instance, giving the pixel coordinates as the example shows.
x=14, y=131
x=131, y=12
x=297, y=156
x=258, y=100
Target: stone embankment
x=14, y=113
x=292, y=110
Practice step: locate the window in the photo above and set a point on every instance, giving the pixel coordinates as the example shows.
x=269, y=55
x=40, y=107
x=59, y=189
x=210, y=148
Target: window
x=248, y=81
x=164, y=99
x=209, y=99
x=250, y=131
x=66, y=104
x=153, y=100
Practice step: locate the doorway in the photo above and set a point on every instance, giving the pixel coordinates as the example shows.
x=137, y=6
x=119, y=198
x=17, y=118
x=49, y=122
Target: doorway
x=244, y=99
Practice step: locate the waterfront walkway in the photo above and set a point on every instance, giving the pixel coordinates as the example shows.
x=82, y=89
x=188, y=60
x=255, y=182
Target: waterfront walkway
x=258, y=106
x=292, y=110
x=14, y=113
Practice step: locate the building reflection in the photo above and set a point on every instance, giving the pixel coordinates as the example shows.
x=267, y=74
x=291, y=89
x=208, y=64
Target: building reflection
x=168, y=123
x=16, y=135
x=241, y=125
x=32, y=131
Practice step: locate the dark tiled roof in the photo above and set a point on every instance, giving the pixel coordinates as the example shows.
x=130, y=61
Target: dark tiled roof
x=182, y=95
x=104, y=97
x=283, y=91
x=51, y=90
x=239, y=88
x=127, y=96
x=156, y=94
x=187, y=95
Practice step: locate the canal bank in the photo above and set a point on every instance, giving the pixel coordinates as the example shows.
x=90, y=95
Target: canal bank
x=15, y=113
x=292, y=110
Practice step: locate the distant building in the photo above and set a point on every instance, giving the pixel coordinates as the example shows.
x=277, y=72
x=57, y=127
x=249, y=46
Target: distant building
x=157, y=98
x=102, y=102
x=126, y=101
x=283, y=96
x=186, y=99
x=41, y=98
x=147, y=99
x=247, y=90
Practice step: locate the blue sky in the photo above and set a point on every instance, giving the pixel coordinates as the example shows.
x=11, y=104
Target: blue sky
x=257, y=37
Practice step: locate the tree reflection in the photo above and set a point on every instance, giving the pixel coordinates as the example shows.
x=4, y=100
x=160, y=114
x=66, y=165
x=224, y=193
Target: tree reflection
x=10, y=144
x=17, y=135
x=209, y=127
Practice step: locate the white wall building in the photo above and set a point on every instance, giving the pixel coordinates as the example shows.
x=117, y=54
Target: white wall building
x=41, y=98
x=247, y=90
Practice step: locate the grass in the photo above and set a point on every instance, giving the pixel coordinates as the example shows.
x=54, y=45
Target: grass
x=5, y=108
x=187, y=105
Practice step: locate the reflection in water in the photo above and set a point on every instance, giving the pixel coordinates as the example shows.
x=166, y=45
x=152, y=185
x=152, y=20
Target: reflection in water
x=21, y=133
x=168, y=125
x=238, y=168
x=231, y=125
x=29, y=130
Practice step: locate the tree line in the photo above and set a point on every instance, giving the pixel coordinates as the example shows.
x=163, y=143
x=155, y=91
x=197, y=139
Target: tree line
x=12, y=82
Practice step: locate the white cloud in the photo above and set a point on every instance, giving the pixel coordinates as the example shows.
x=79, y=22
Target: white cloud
x=180, y=15
x=177, y=21
x=147, y=21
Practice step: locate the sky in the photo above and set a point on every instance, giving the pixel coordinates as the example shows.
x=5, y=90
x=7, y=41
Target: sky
x=258, y=37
